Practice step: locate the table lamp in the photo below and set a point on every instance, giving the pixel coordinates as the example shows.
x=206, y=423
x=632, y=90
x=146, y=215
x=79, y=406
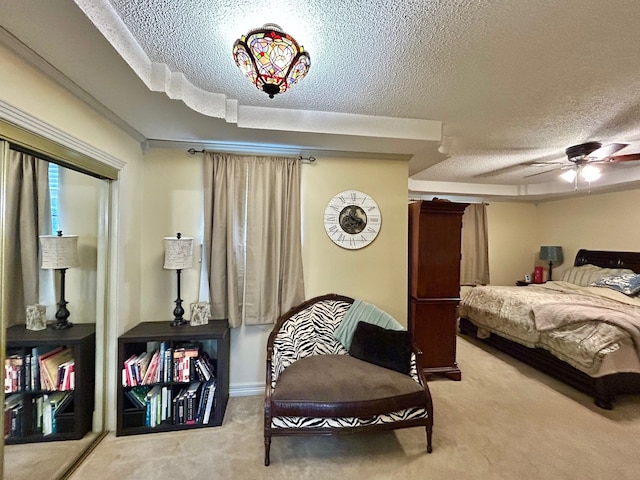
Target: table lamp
x=178, y=254
x=552, y=254
x=60, y=252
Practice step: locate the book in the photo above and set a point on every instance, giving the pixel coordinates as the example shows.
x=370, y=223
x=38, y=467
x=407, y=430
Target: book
x=166, y=403
x=38, y=403
x=153, y=399
x=138, y=395
x=191, y=402
x=202, y=401
x=54, y=404
x=49, y=363
x=47, y=421
x=128, y=374
x=166, y=366
x=211, y=391
x=151, y=374
x=13, y=374
x=179, y=407
x=52, y=365
x=183, y=361
x=161, y=361
x=28, y=385
x=65, y=372
x=205, y=367
x=13, y=413
x=35, y=369
x=142, y=365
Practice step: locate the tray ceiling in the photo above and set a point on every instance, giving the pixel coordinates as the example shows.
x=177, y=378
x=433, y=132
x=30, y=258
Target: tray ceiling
x=494, y=84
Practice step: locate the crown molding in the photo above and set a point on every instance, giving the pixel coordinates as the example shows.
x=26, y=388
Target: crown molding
x=29, y=128
x=40, y=64
x=266, y=149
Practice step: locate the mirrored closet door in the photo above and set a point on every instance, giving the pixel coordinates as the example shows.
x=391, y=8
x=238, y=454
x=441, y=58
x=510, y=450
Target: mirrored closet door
x=50, y=426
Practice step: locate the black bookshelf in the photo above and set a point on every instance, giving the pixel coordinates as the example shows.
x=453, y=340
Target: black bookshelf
x=147, y=336
x=73, y=421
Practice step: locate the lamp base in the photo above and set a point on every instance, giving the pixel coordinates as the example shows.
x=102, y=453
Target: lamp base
x=62, y=325
x=178, y=312
x=62, y=315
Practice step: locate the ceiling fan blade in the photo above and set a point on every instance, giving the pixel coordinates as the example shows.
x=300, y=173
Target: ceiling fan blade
x=541, y=173
x=518, y=166
x=498, y=171
x=546, y=164
x=624, y=158
x=606, y=151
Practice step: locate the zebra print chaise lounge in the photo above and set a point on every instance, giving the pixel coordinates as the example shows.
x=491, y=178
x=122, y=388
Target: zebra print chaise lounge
x=314, y=386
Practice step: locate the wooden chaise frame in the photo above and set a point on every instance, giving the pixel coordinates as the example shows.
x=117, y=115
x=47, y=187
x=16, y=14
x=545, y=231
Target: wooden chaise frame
x=604, y=389
x=270, y=432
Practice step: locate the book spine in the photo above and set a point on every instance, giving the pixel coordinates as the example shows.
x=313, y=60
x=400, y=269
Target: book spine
x=27, y=372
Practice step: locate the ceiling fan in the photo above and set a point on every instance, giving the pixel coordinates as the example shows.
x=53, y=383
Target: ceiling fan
x=584, y=160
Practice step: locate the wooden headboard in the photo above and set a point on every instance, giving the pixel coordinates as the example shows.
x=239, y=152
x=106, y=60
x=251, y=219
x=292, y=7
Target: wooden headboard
x=607, y=259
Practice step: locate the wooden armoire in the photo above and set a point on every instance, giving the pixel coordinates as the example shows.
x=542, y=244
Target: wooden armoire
x=434, y=282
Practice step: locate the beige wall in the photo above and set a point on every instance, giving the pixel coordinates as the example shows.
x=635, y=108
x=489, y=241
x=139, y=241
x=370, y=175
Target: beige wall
x=378, y=272
x=608, y=221
x=513, y=243
x=80, y=213
x=172, y=202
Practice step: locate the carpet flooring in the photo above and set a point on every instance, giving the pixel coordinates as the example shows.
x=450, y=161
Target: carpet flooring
x=504, y=420
x=46, y=460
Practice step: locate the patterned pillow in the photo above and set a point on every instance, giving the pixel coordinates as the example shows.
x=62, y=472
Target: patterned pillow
x=627, y=283
x=586, y=275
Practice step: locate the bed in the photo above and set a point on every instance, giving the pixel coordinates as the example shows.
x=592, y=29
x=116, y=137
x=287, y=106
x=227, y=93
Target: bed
x=583, y=329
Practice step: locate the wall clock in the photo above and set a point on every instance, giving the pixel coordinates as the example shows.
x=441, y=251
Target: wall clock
x=352, y=219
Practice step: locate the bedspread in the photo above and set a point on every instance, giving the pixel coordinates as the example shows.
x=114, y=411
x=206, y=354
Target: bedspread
x=509, y=312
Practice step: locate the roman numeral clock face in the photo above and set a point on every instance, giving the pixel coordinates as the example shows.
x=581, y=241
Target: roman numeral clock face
x=352, y=219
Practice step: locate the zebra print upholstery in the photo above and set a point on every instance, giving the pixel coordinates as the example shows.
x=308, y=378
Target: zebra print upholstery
x=308, y=330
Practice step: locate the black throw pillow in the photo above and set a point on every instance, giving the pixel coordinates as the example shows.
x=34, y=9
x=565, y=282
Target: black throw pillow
x=380, y=346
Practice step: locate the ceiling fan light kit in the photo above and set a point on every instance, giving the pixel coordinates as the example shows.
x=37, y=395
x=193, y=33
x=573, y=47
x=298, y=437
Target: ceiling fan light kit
x=588, y=173
x=583, y=160
x=569, y=175
x=271, y=59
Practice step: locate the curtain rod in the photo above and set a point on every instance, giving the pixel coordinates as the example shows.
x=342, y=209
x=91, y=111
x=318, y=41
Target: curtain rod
x=309, y=159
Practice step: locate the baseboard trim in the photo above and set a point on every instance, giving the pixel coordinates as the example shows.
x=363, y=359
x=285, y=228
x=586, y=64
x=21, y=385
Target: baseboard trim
x=246, y=389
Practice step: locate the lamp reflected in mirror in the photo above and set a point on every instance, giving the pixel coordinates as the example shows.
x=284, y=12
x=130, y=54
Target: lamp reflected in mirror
x=60, y=252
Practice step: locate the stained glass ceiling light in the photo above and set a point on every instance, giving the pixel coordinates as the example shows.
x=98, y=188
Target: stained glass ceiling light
x=271, y=59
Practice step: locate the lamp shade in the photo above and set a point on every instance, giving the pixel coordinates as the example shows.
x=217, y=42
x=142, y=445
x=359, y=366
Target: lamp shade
x=551, y=253
x=178, y=252
x=59, y=251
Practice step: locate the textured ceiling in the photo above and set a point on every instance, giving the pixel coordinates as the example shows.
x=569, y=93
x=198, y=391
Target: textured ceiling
x=507, y=82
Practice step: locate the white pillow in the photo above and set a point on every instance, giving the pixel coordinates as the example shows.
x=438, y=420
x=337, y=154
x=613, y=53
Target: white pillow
x=585, y=275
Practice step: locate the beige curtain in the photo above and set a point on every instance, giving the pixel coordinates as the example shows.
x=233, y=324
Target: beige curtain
x=252, y=237
x=28, y=215
x=474, y=265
